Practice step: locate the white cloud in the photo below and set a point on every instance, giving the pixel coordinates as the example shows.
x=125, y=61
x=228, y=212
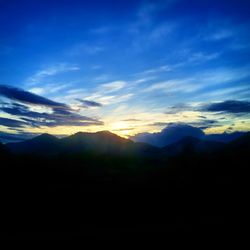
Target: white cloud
x=112, y=86
x=175, y=85
x=38, y=91
x=199, y=81
x=144, y=79
x=160, y=69
x=49, y=89
x=50, y=71
x=203, y=57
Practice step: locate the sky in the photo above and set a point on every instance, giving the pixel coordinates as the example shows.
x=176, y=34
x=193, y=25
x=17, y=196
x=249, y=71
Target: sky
x=124, y=66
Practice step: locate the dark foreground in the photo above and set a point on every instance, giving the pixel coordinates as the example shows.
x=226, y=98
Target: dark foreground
x=108, y=197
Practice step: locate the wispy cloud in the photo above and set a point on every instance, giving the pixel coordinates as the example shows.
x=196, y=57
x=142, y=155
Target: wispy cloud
x=176, y=85
x=112, y=86
x=203, y=57
x=89, y=103
x=163, y=68
x=50, y=71
x=220, y=34
x=49, y=88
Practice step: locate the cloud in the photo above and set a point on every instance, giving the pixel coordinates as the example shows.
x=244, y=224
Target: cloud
x=112, y=86
x=230, y=106
x=60, y=115
x=49, y=88
x=202, y=57
x=204, y=123
x=131, y=120
x=51, y=71
x=163, y=68
x=88, y=103
x=172, y=133
x=159, y=124
x=23, y=96
x=174, y=86
x=208, y=81
x=181, y=107
x=220, y=35
x=7, y=122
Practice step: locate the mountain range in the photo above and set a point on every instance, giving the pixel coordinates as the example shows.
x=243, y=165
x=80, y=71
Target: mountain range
x=56, y=185
x=105, y=142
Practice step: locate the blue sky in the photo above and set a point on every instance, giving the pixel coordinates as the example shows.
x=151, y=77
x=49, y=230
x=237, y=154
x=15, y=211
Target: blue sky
x=125, y=66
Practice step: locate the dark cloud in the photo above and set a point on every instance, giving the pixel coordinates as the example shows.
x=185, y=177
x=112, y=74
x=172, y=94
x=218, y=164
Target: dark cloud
x=7, y=122
x=27, y=97
x=61, y=115
x=172, y=133
x=88, y=103
x=204, y=123
x=181, y=107
x=176, y=131
x=230, y=106
x=160, y=124
x=21, y=110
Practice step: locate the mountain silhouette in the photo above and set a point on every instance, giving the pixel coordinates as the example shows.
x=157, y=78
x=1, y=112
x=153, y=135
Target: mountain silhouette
x=102, y=142
x=102, y=179
x=192, y=145
x=224, y=137
x=3, y=150
x=105, y=142
x=42, y=144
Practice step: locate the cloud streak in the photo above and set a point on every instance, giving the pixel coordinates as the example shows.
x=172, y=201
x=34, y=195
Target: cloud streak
x=61, y=115
x=88, y=103
x=7, y=122
x=230, y=106
x=23, y=96
x=51, y=71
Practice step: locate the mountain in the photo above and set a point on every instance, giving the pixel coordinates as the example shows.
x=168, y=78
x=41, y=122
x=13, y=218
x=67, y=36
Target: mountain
x=241, y=144
x=105, y=142
x=191, y=145
x=178, y=131
x=102, y=142
x=169, y=135
x=224, y=137
x=3, y=150
x=44, y=144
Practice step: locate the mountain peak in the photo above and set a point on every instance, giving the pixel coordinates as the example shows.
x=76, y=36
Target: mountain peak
x=105, y=133
x=45, y=137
